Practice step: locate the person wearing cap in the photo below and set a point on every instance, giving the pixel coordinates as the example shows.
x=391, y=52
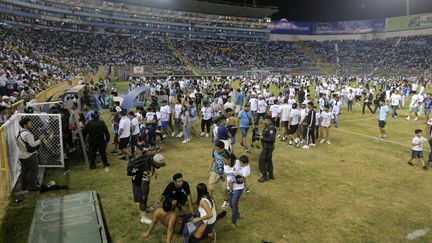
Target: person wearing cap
x=142, y=170
x=98, y=135
x=268, y=139
x=28, y=159
x=417, y=149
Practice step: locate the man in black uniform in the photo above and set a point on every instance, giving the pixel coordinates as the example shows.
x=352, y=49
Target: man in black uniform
x=99, y=137
x=178, y=191
x=268, y=139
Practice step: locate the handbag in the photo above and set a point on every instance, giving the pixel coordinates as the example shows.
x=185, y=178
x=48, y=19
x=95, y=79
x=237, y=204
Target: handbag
x=29, y=148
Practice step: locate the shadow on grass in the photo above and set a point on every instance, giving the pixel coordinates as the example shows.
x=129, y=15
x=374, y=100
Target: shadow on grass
x=17, y=220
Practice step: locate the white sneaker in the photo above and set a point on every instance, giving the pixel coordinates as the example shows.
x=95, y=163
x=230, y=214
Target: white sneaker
x=415, y=119
x=145, y=220
x=408, y=118
x=305, y=147
x=328, y=142
x=207, y=135
x=322, y=141
x=180, y=135
x=202, y=134
x=225, y=204
x=164, y=136
x=184, y=141
x=279, y=136
x=312, y=145
x=188, y=139
x=173, y=134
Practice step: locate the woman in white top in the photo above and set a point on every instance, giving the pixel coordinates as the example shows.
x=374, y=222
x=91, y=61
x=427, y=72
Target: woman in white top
x=207, y=215
x=206, y=121
x=184, y=116
x=235, y=186
x=326, y=121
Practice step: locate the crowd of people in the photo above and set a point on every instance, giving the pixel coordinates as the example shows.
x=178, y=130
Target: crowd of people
x=406, y=53
x=86, y=51
x=240, y=55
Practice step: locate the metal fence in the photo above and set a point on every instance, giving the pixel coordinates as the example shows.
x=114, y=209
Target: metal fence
x=51, y=150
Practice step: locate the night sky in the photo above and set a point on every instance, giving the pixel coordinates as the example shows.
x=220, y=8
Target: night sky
x=326, y=10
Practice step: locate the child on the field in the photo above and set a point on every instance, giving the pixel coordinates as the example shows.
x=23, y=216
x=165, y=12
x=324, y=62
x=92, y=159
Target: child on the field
x=417, y=149
x=255, y=137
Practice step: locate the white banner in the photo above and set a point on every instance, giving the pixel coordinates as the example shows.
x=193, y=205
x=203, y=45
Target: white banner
x=138, y=70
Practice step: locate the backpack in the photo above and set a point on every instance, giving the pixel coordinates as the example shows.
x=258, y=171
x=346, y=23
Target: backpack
x=138, y=163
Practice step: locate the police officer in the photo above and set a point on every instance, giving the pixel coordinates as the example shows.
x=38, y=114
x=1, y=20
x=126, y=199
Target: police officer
x=99, y=137
x=268, y=139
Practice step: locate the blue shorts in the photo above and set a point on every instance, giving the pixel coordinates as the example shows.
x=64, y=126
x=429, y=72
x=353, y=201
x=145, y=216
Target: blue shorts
x=417, y=154
x=381, y=124
x=164, y=125
x=244, y=131
x=137, y=193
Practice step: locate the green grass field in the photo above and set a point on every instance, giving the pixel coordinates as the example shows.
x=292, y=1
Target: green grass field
x=358, y=189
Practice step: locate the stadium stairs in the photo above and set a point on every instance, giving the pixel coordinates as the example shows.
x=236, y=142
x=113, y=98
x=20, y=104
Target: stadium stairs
x=182, y=58
x=310, y=54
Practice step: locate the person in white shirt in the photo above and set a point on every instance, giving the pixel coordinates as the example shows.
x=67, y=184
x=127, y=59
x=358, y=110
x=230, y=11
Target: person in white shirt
x=336, y=105
x=151, y=122
x=28, y=159
x=165, y=113
x=178, y=123
x=135, y=128
x=417, y=149
x=284, y=112
x=302, y=130
x=414, y=105
x=236, y=185
x=275, y=114
x=206, y=120
x=262, y=109
x=253, y=105
x=350, y=98
x=291, y=99
x=395, y=101
x=229, y=104
x=326, y=121
x=124, y=135
x=293, y=124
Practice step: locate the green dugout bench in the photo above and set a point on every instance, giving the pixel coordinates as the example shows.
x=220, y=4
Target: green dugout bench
x=71, y=218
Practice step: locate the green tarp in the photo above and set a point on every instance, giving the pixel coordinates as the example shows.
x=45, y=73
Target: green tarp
x=71, y=218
